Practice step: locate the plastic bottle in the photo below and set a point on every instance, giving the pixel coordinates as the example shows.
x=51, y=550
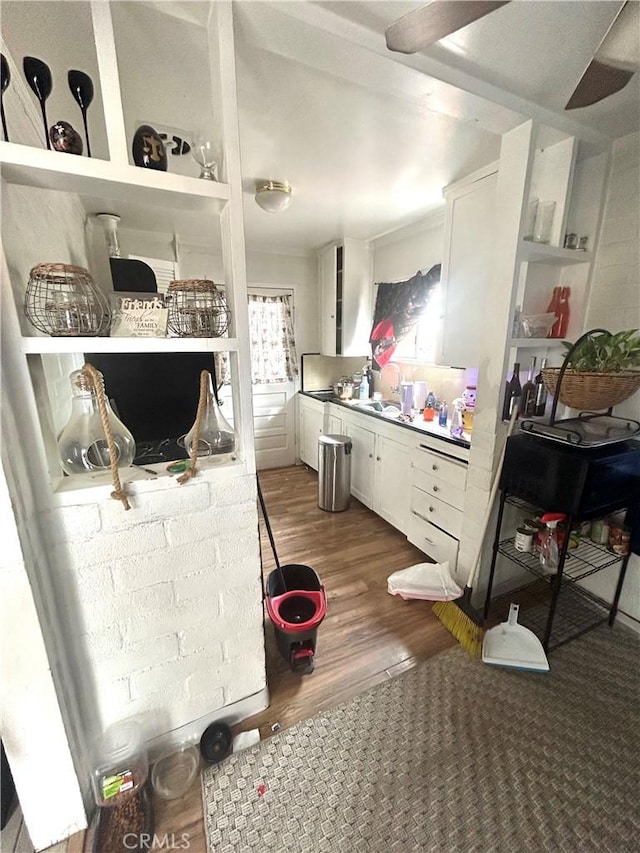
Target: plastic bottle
x=442, y=416
x=456, y=428
x=364, y=385
x=549, y=550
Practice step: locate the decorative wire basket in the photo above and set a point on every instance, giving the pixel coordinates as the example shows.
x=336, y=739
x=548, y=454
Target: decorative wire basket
x=197, y=309
x=62, y=301
x=591, y=391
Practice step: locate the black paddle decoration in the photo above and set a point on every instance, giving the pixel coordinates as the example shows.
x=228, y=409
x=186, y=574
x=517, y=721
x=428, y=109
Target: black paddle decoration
x=81, y=87
x=5, y=78
x=38, y=76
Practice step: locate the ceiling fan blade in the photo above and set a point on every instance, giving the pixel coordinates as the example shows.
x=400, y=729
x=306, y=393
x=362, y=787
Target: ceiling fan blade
x=621, y=45
x=598, y=82
x=433, y=22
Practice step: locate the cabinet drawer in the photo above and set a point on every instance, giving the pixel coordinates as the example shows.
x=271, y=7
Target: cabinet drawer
x=438, y=512
x=428, y=482
x=438, y=545
x=452, y=472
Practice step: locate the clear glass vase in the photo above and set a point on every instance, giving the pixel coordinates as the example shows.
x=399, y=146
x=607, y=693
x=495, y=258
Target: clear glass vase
x=217, y=437
x=82, y=444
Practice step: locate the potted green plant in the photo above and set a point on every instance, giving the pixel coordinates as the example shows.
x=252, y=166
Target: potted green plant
x=600, y=370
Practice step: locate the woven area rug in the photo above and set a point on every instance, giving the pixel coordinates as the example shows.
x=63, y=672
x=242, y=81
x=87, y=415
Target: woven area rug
x=454, y=755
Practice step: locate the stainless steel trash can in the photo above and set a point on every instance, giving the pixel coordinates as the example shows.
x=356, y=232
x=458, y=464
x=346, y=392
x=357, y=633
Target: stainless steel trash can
x=334, y=472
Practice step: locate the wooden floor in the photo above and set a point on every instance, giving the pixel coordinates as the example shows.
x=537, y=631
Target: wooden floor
x=366, y=637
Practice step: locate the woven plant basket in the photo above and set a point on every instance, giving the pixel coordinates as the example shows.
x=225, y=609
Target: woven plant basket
x=592, y=391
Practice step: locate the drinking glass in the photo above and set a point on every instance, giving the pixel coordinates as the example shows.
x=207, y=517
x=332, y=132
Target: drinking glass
x=205, y=151
x=544, y=222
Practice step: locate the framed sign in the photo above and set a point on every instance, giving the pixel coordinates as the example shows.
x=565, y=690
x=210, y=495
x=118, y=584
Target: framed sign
x=139, y=315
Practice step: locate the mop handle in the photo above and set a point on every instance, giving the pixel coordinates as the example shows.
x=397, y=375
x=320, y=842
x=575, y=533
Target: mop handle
x=494, y=490
x=270, y=534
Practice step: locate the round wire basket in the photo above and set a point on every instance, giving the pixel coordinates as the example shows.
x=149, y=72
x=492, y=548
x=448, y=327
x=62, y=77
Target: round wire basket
x=591, y=391
x=63, y=301
x=197, y=309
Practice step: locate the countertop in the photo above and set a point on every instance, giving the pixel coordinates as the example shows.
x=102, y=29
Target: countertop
x=431, y=428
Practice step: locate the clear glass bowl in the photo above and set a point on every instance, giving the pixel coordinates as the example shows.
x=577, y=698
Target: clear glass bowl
x=174, y=772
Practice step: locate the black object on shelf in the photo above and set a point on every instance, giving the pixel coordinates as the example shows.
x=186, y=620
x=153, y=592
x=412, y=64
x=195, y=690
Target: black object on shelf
x=582, y=483
x=588, y=429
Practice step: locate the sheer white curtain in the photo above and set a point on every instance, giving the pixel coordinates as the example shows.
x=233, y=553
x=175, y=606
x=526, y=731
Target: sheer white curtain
x=273, y=349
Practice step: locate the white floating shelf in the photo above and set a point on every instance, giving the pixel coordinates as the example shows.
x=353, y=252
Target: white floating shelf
x=42, y=346
x=541, y=253
x=114, y=183
x=536, y=343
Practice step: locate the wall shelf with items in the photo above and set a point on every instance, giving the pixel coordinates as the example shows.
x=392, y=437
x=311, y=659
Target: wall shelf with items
x=58, y=194
x=535, y=343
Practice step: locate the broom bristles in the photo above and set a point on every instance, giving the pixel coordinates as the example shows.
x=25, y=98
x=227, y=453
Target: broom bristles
x=461, y=626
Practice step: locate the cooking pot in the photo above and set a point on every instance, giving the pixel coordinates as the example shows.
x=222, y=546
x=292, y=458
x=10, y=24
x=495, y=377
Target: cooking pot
x=343, y=389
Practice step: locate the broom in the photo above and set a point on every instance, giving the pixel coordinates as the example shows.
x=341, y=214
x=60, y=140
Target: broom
x=460, y=617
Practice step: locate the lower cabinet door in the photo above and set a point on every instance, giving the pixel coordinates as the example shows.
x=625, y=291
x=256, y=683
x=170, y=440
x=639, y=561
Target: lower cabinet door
x=392, y=487
x=362, y=463
x=432, y=541
x=311, y=423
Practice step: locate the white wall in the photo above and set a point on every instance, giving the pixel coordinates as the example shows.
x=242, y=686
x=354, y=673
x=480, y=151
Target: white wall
x=297, y=272
x=400, y=254
x=614, y=304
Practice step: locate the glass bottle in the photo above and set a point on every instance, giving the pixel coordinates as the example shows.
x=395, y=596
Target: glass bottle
x=442, y=417
x=563, y=312
x=554, y=308
x=513, y=393
x=82, y=444
x=540, y=400
x=217, y=437
x=529, y=391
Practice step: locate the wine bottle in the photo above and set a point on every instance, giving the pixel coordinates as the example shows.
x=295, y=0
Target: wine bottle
x=529, y=392
x=563, y=312
x=540, y=400
x=513, y=392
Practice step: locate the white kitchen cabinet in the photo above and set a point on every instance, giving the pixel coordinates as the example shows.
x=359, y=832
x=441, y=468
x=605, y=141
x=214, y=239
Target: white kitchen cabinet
x=393, y=466
x=363, y=463
x=335, y=425
x=311, y=417
x=345, y=271
x=466, y=266
x=380, y=467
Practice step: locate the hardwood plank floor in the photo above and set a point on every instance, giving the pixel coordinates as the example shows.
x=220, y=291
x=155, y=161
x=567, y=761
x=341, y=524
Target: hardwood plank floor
x=366, y=637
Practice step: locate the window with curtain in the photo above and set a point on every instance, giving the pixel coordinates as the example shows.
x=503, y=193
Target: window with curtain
x=273, y=349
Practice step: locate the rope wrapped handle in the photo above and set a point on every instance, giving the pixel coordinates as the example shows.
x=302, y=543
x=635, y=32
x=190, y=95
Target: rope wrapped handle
x=204, y=389
x=118, y=492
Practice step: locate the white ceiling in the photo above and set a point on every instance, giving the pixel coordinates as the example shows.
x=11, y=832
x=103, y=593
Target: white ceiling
x=368, y=138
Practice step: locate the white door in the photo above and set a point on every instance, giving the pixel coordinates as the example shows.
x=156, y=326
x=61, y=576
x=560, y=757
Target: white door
x=273, y=424
x=274, y=414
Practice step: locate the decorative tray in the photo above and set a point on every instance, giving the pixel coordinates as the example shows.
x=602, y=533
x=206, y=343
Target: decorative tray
x=589, y=429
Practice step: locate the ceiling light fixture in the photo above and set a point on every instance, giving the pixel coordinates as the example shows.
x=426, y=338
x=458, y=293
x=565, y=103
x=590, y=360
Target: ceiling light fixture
x=273, y=196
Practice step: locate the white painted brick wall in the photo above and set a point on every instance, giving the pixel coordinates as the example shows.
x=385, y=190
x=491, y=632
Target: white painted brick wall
x=614, y=304
x=160, y=599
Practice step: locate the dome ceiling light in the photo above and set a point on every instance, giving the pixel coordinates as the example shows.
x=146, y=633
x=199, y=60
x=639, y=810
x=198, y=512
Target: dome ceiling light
x=273, y=196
